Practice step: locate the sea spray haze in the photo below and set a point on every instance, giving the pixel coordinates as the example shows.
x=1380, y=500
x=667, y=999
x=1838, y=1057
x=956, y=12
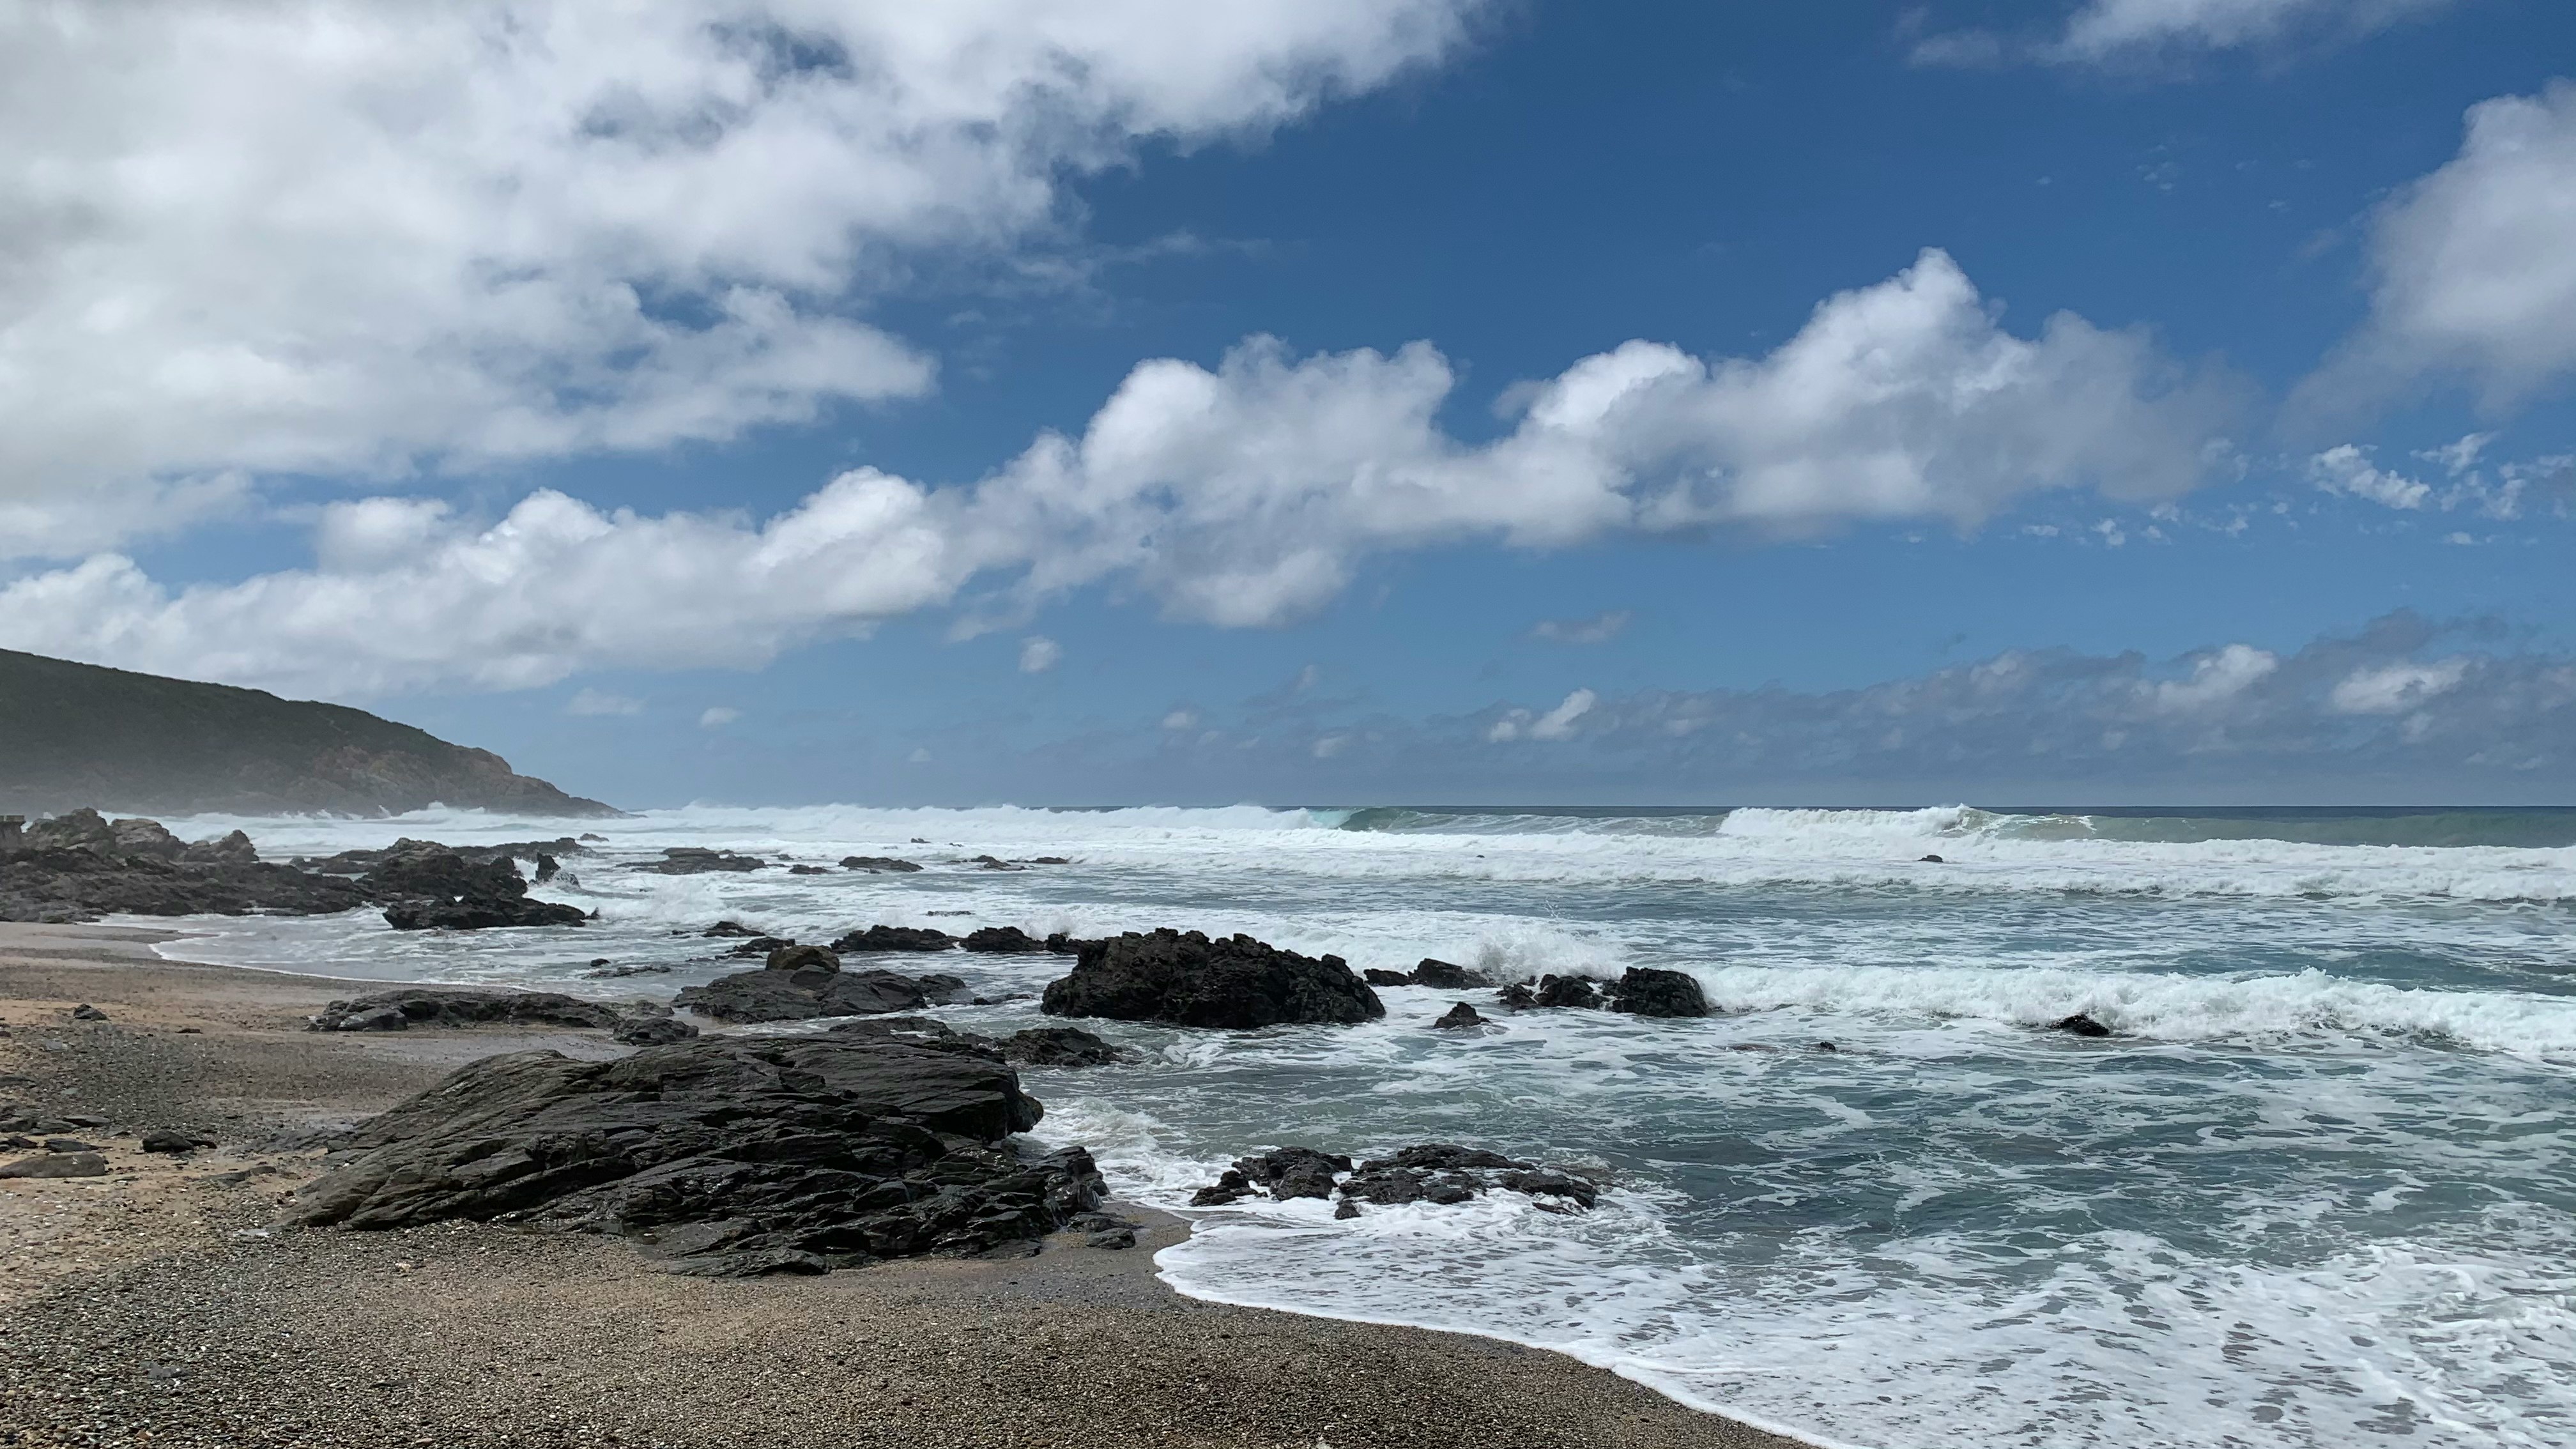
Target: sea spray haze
x=2316, y=1190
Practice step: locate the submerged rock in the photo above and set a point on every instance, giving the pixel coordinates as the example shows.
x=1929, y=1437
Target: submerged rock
x=698, y=860
x=2079, y=1025
x=1059, y=1046
x=413, y=1006
x=1459, y=1017
x=1645, y=991
x=1435, y=1172
x=1290, y=1172
x=893, y=938
x=724, y=1156
x=1186, y=979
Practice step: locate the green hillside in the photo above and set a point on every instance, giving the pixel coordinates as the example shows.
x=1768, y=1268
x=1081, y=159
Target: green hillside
x=76, y=734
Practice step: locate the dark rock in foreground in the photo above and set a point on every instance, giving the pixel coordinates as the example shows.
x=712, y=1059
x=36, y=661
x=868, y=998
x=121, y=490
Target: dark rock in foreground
x=1437, y=1172
x=80, y=866
x=893, y=938
x=2080, y=1025
x=412, y=1006
x=57, y=1164
x=1186, y=979
x=1645, y=991
x=727, y=1157
x=652, y=1031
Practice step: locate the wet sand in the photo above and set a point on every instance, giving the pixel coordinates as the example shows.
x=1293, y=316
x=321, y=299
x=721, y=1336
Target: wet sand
x=158, y=1300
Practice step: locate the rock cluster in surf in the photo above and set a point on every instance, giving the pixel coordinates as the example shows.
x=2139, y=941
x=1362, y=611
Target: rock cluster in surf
x=1441, y=1173
x=1641, y=991
x=726, y=1156
x=79, y=866
x=1187, y=979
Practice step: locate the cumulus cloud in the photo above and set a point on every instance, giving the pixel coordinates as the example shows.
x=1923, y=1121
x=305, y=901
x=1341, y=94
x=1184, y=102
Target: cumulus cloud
x=2474, y=266
x=2396, y=688
x=340, y=236
x=1038, y=654
x=1556, y=724
x=2347, y=470
x=2216, y=679
x=1600, y=628
x=1240, y=495
x=2135, y=32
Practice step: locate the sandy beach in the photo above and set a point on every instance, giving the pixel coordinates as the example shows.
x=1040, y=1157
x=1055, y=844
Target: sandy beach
x=158, y=1303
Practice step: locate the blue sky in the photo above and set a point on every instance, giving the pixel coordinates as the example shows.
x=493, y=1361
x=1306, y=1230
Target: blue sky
x=2048, y=401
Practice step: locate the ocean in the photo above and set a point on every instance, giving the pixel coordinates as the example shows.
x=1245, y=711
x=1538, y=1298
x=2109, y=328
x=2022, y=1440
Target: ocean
x=2317, y=1190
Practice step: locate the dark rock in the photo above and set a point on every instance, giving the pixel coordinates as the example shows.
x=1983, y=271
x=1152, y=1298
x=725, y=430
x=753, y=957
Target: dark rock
x=57, y=1164
x=724, y=1156
x=1346, y=1208
x=987, y=862
x=1065, y=944
x=1459, y=1017
x=1189, y=980
x=723, y=929
x=605, y=972
x=2079, y=1025
x=69, y=1144
x=1646, y=991
x=1112, y=1238
x=231, y=850
x=1047, y=860
x=802, y=995
x=941, y=987
x=893, y=938
x=1548, y=1182
x=547, y=867
x=1932, y=860
x=698, y=860
x=1445, y=976
x=165, y=1140
x=79, y=866
x=1441, y=1172
x=480, y=916
x=1375, y=977
x=1229, y=1187
x=86, y=1012
x=1291, y=1172
x=759, y=946
x=807, y=870
x=652, y=1031
x=413, y=1006
x=1059, y=1046
x=1826, y=1046
x=1004, y=941
x=879, y=863
x=1567, y=991
x=436, y=888
x=1518, y=996
x=792, y=957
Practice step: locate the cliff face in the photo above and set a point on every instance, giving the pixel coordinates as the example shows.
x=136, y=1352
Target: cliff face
x=76, y=734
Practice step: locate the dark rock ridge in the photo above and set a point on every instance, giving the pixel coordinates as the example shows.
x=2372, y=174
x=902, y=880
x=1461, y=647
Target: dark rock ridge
x=1038, y=1046
x=652, y=1031
x=893, y=938
x=698, y=860
x=1186, y=979
x=724, y=1156
x=76, y=734
x=1551, y=991
x=801, y=983
x=1436, y=974
x=1012, y=941
x=1645, y=991
x=2079, y=1025
x=878, y=863
x=1436, y=1172
x=80, y=865
x=360, y=862
x=413, y=1006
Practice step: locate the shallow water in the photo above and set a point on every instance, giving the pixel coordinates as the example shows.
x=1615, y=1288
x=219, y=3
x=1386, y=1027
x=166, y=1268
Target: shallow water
x=2318, y=1192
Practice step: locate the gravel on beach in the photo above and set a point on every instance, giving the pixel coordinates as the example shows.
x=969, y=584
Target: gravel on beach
x=157, y=1305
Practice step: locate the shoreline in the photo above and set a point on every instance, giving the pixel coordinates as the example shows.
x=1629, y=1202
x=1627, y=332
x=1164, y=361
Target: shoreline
x=142, y=1299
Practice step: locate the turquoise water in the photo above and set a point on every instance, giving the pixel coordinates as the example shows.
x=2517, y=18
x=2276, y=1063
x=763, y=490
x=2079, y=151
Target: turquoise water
x=2318, y=1191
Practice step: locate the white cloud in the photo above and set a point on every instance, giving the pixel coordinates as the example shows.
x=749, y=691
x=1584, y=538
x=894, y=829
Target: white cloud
x=1243, y=495
x=1038, y=654
x=2347, y=470
x=2474, y=266
x=2216, y=679
x=2131, y=32
x=2458, y=457
x=920, y=756
x=718, y=716
x=1601, y=628
x=1556, y=724
x=1181, y=719
x=347, y=237
x=2396, y=688
x=597, y=702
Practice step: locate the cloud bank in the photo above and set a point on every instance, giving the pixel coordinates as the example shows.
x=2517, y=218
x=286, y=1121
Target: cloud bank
x=346, y=237
x=1241, y=495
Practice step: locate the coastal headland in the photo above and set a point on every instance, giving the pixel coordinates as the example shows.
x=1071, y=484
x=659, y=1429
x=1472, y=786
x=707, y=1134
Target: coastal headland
x=165, y=1301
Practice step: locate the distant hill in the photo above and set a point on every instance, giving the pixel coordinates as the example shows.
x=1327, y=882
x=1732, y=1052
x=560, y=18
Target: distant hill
x=76, y=734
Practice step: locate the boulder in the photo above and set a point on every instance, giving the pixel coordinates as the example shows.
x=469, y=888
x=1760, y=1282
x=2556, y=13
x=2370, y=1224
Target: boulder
x=723, y=929
x=1059, y=1046
x=480, y=915
x=802, y=995
x=412, y=1006
x=1294, y=1171
x=723, y=1156
x=86, y=1012
x=57, y=1164
x=2079, y=1025
x=698, y=860
x=1645, y=991
x=1445, y=976
x=1551, y=991
x=652, y=1031
x=233, y=849
x=1460, y=1017
x=792, y=957
x=1375, y=977
x=1064, y=943
x=1230, y=1186
x=1442, y=1172
x=162, y=1139
x=1004, y=941
x=1186, y=979
x=759, y=946
x=893, y=938
x=877, y=863
x=802, y=869
x=434, y=888
x=989, y=862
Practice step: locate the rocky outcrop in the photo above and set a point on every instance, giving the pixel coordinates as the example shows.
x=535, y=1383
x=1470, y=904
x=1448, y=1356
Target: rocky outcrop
x=880, y=864
x=1460, y=1017
x=724, y=1156
x=1437, y=1172
x=1645, y=991
x=1186, y=979
x=1551, y=991
x=75, y=734
x=437, y=888
x=1436, y=974
x=414, y=1006
x=2080, y=1025
x=1059, y=1046
x=802, y=983
x=698, y=860
x=893, y=938
x=1004, y=941
x=652, y=1031
x=81, y=865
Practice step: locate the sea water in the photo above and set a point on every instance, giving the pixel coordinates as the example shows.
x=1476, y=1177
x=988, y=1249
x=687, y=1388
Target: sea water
x=2317, y=1191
